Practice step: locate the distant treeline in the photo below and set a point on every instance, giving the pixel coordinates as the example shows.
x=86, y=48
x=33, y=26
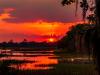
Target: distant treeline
x=25, y=44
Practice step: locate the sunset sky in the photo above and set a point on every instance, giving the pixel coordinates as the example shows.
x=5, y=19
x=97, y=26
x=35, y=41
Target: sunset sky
x=35, y=20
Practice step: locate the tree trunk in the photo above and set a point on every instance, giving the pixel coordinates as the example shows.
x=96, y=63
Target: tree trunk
x=97, y=36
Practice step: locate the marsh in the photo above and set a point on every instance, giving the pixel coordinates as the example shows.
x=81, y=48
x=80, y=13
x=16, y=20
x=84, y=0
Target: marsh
x=45, y=62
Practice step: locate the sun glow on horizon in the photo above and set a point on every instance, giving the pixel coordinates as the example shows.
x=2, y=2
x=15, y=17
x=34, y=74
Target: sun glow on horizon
x=51, y=40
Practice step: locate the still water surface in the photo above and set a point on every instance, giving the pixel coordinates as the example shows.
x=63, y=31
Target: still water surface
x=37, y=60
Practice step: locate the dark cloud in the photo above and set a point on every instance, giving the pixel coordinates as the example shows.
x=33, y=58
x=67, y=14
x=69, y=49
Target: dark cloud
x=32, y=10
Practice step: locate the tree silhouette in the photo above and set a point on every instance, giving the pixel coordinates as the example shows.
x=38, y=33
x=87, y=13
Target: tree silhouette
x=91, y=19
x=84, y=4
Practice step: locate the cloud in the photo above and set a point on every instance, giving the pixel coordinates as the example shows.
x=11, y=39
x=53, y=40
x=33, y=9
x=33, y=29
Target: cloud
x=5, y=14
x=33, y=10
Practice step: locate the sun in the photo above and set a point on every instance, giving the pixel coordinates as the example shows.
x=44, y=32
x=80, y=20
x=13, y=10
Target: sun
x=51, y=40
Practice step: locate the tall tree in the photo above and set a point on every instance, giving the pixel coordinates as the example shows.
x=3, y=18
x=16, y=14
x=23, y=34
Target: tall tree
x=84, y=4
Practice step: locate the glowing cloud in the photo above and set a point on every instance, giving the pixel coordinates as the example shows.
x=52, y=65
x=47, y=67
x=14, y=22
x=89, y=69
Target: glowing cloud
x=6, y=14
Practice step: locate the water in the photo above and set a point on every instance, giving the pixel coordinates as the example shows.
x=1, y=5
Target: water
x=39, y=59
x=43, y=60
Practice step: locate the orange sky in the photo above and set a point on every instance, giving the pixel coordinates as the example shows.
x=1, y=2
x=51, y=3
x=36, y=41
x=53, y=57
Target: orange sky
x=36, y=31
x=35, y=20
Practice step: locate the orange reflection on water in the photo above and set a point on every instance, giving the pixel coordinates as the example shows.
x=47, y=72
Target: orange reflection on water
x=34, y=60
x=41, y=62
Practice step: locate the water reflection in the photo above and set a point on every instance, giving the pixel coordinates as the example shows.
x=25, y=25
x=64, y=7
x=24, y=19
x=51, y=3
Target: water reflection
x=44, y=62
x=40, y=59
x=45, y=59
